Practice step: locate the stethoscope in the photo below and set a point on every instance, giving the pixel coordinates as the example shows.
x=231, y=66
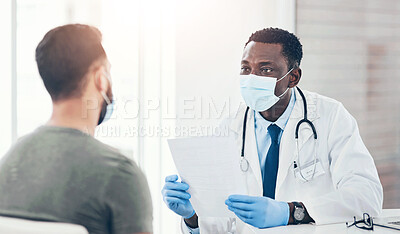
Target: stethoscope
x=244, y=164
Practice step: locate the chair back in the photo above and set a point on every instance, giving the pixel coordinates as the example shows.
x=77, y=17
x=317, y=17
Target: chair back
x=24, y=226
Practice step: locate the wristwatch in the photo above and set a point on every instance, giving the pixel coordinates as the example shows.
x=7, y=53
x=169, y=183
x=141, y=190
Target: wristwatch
x=298, y=213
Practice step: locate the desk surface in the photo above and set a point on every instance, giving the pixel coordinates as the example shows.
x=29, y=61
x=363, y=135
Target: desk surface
x=333, y=228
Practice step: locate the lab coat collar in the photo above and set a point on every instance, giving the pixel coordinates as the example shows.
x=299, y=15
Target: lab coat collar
x=298, y=110
x=238, y=118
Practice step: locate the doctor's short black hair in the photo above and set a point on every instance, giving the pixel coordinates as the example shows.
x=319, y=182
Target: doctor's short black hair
x=291, y=46
x=64, y=57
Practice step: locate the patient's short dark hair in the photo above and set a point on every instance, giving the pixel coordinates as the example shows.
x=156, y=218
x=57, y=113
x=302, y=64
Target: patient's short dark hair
x=64, y=56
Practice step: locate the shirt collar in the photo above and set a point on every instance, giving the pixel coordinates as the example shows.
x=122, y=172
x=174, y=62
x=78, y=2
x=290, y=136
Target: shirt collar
x=281, y=121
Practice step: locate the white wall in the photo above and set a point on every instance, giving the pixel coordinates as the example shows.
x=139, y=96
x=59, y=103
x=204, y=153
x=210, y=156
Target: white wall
x=209, y=44
x=5, y=68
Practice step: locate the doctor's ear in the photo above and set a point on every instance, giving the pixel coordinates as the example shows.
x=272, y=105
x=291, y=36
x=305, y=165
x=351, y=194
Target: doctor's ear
x=295, y=76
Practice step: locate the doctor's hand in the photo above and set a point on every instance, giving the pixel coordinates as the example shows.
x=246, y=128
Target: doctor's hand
x=260, y=212
x=175, y=196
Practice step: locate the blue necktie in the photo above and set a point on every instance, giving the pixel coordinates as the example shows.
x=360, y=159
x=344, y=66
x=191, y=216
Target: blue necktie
x=271, y=163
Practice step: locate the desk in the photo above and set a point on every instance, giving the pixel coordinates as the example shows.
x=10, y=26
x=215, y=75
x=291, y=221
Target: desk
x=337, y=228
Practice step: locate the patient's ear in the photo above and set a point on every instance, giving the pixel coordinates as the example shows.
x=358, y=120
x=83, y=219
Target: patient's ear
x=100, y=80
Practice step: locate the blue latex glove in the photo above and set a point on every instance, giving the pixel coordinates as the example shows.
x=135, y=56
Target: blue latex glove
x=260, y=212
x=175, y=196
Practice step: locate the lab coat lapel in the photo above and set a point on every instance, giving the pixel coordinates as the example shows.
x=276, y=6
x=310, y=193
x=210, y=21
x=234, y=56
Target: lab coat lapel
x=286, y=153
x=288, y=146
x=305, y=131
x=250, y=151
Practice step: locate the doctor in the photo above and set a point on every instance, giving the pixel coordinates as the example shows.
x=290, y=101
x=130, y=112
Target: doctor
x=322, y=174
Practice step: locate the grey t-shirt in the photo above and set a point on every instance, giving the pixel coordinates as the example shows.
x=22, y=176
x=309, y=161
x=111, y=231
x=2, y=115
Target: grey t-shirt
x=64, y=175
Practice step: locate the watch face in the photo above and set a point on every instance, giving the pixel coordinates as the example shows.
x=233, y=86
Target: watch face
x=298, y=214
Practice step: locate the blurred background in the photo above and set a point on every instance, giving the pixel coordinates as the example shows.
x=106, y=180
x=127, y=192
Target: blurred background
x=175, y=68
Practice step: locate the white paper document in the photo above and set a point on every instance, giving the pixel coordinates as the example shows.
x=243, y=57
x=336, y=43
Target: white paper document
x=210, y=165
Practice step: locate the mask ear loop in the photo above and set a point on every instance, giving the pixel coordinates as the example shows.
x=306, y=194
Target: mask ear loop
x=281, y=79
x=108, y=77
x=280, y=96
x=105, y=97
x=285, y=75
x=108, y=101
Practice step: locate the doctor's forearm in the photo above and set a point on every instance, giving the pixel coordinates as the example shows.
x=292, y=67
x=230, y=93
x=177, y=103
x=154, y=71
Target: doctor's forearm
x=307, y=218
x=192, y=222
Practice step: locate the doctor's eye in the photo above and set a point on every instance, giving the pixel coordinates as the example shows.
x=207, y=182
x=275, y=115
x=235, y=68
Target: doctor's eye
x=245, y=70
x=266, y=70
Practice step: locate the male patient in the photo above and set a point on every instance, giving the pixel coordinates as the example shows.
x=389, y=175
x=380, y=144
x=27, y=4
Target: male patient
x=60, y=172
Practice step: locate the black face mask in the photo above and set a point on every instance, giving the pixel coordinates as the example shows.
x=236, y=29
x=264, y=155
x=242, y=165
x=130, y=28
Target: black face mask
x=103, y=112
x=106, y=109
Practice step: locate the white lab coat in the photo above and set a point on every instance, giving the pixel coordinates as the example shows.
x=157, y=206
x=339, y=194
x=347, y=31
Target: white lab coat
x=350, y=185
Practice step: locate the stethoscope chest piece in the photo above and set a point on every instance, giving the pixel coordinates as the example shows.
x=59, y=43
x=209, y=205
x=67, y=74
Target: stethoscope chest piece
x=244, y=164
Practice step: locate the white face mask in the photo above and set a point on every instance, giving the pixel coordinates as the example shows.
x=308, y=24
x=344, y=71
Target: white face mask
x=258, y=92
